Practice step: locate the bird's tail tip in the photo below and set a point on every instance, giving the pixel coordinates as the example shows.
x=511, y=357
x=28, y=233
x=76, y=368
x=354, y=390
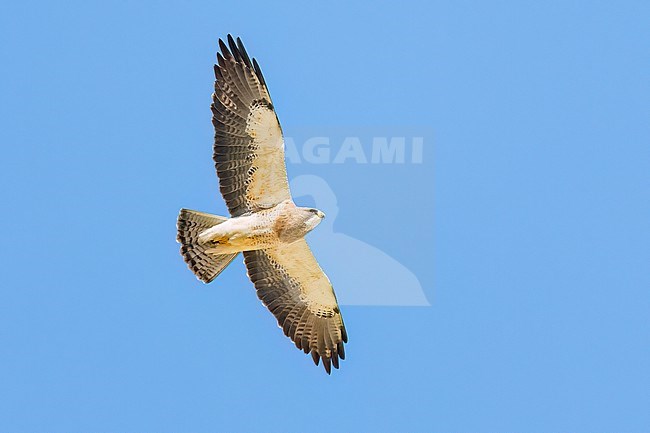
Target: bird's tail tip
x=204, y=265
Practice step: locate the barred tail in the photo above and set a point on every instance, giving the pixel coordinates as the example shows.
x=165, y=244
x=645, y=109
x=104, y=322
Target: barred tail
x=205, y=266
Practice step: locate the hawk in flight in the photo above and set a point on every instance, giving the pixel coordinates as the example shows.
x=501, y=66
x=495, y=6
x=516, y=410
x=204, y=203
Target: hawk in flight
x=265, y=224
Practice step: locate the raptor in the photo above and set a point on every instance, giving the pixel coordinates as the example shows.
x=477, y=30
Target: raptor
x=265, y=225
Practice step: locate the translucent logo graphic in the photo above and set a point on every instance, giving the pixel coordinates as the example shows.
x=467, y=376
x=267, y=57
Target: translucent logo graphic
x=360, y=273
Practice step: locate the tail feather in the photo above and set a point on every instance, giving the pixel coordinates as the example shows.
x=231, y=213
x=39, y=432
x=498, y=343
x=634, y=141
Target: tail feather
x=205, y=266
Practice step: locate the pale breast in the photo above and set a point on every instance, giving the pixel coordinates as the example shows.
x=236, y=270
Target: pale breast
x=289, y=224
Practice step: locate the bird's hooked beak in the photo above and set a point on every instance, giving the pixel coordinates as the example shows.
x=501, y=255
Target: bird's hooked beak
x=320, y=214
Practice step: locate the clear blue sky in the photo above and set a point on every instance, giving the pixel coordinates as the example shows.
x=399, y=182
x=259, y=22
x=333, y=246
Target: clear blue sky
x=529, y=217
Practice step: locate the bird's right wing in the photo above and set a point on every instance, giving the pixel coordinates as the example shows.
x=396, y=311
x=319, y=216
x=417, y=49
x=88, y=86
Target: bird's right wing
x=293, y=287
x=248, y=143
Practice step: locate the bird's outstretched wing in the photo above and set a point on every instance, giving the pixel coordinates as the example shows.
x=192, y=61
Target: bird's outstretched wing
x=248, y=144
x=249, y=158
x=292, y=285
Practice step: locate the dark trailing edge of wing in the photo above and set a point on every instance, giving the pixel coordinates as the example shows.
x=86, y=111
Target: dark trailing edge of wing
x=313, y=333
x=239, y=86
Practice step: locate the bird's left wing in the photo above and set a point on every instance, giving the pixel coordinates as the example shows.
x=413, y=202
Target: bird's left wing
x=292, y=285
x=248, y=144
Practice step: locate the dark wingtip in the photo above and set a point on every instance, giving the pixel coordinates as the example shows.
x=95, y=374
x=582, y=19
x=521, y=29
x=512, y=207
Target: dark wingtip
x=327, y=363
x=258, y=72
x=315, y=357
x=233, y=48
x=220, y=60
x=335, y=360
x=224, y=49
x=244, y=54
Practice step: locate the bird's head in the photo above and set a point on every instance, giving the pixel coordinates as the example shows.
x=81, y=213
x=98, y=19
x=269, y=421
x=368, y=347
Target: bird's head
x=314, y=217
